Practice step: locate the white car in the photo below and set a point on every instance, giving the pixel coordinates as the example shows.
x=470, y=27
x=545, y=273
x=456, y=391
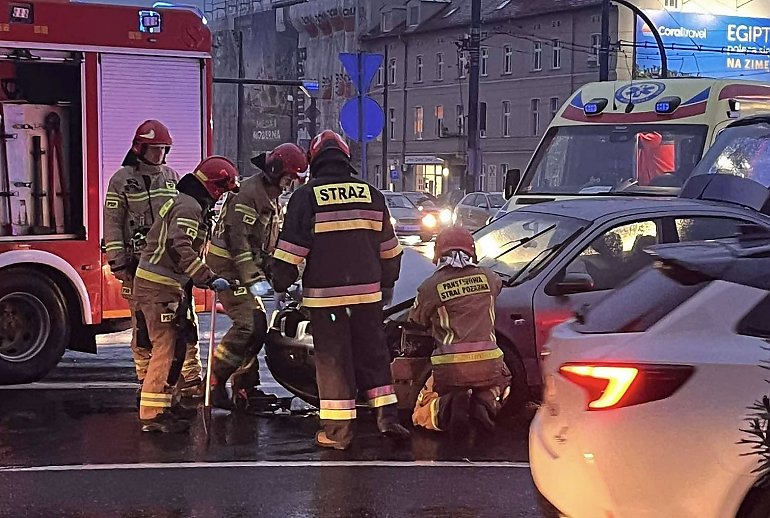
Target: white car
x=647, y=392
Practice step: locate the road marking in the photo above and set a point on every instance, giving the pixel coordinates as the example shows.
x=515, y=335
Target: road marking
x=268, y=464
x=74, y=385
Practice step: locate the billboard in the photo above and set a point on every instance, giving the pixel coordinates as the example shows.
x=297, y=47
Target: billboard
x=704, y=45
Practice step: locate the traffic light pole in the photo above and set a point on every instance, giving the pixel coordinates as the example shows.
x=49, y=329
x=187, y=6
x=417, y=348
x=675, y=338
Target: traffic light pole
x=474, y=151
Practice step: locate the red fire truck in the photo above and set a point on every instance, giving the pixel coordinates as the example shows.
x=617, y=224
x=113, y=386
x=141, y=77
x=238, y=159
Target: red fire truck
x=75, y=81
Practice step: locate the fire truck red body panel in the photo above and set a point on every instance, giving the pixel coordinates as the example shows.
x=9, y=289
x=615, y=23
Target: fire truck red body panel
x=94, y=31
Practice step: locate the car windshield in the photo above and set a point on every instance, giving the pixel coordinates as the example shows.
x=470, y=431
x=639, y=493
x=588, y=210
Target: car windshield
x=510, y=243
x=398, y=201
x=598, y=158
x=741, y=151
x=420, y=199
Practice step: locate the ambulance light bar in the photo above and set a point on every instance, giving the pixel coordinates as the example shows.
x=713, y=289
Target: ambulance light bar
x=667, y=105
x=595, y=106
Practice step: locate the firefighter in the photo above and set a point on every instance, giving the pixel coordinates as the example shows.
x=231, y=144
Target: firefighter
x=340, y=227
x=457, y=304
x=243, y=240
x=172, y=258
x=134, y=195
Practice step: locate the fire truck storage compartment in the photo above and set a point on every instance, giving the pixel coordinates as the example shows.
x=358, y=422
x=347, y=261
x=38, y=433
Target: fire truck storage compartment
x=41, y=180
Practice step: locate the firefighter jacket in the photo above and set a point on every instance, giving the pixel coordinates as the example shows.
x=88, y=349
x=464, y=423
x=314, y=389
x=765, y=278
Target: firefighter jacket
x=340, y=226
x=246, y=232
x=134, y=196
x=175, y=244
x=458, y=306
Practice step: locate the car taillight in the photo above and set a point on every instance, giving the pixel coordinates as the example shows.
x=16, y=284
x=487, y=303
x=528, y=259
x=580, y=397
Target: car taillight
x=612, y=386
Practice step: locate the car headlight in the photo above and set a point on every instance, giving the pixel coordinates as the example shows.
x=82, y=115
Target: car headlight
x=393, y=221
x=445, y=216
x=430, y=221
x=454, y=218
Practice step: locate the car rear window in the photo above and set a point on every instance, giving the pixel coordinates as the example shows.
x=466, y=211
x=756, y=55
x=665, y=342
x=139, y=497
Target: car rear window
x=641, y=302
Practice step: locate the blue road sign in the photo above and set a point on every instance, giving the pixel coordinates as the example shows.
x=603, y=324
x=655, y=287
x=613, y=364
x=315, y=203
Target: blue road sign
x=373, y=119
x=311, y=86
x=361, y=72
x=394, y=175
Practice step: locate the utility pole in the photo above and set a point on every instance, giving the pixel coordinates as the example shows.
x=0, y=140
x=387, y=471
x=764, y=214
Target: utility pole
x=604, y=48
x=240, y=104
x=474, y=153
x=385, y=135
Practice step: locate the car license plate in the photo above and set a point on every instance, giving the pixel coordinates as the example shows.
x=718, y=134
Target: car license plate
x=410, y=228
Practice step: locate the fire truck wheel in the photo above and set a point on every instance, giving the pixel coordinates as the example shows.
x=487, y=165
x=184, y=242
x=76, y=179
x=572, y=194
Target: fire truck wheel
x=33, y=328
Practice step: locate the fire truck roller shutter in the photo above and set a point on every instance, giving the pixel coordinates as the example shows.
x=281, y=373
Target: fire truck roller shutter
x=137, y=88
x=44, y=305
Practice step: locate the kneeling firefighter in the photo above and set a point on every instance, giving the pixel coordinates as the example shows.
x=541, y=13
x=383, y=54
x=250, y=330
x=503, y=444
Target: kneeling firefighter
x=457, y=304
x=135, y=193
x=170, y=260
x=340, y=226
x=242, y=243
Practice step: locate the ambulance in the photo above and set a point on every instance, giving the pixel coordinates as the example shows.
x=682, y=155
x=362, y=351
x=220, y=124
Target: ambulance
x=75, y=82
x=641, y=137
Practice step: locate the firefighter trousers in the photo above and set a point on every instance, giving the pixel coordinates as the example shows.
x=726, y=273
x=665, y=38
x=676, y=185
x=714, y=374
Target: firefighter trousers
x=141, y=349
x=437, y=407
x=160, y=306
x=237, y=354
x=351, y=358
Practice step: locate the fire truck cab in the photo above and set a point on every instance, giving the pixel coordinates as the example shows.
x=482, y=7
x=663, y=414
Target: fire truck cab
x=75, y=82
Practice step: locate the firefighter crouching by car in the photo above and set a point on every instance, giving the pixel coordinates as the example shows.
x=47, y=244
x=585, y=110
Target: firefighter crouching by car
x=457, y=304
x=170, y=260
x=340, y=226
x=134, y=195
x=243, y=241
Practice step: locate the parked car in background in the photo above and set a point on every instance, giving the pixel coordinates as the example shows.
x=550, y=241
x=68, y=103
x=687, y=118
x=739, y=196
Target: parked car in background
x=647, y=392
x=406, y=218
x=434, y=216
x=476, y=208
x=451, y=198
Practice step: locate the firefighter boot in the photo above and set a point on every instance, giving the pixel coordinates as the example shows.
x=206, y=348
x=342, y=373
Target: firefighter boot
x=387, y=423
x=191, y=392
x=165, y=422
x=458, y=408
x=219, y=396
x=484, y=407
x=324, y=442
x=254, y=401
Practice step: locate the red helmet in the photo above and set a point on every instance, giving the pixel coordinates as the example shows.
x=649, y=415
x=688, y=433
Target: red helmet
x=218, y=175
x=325, y=141
x=150, y=133
x=454, y=238
x=285, y=160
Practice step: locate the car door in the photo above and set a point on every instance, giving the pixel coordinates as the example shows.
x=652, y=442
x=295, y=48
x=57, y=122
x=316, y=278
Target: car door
x=611, y=254
x=479, y=212
x=463, y=210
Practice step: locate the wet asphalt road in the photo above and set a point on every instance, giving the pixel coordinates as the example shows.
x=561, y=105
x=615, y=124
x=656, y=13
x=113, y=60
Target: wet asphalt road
x=71, y=446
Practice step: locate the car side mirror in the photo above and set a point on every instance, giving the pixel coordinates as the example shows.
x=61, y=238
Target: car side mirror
x=512, y=181
x=575, y=282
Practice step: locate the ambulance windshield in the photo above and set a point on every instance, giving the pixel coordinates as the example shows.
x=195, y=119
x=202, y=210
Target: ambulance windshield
x=593, y=159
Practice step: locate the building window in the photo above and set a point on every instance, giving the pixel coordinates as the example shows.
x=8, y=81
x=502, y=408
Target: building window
x=418, y=69
x=484, y=65
x=554, y=106
x=439, y=120
x=507, y=59
x=439, y=66
x=462, y=65
x=671, y=4
x=392, y=72
x=483, y=179
x=460, y=117
x=385, y=21
x=506, y=119
x=537, y=55
x=503, y=170
x=414, y=16
x=378, y=175
x=596, y=45
x=418, y=122
x=535, y=109
x=381, y=74
x=556, y=54
x=482, y=120
x=392, y=123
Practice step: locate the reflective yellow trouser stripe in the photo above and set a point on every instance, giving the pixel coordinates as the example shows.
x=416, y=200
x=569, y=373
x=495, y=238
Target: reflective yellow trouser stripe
x=466, y=357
